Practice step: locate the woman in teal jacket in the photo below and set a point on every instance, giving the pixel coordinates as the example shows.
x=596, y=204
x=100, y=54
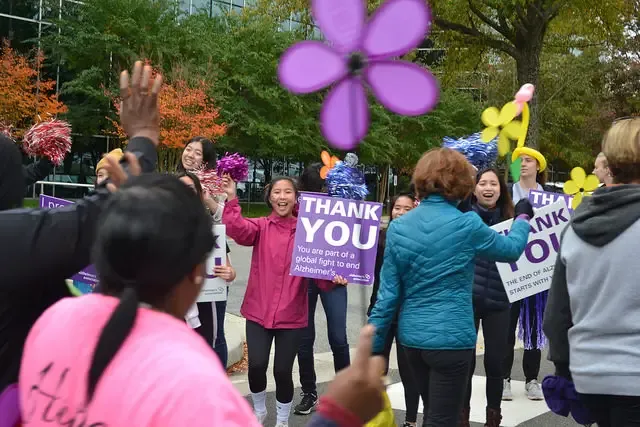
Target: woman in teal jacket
x=427, y=276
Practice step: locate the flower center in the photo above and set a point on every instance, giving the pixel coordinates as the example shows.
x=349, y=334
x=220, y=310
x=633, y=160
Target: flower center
x=356, y=63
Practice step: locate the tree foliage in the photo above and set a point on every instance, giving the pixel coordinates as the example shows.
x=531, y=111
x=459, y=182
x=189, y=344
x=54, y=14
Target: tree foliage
x=520, y=29
x=25, y=99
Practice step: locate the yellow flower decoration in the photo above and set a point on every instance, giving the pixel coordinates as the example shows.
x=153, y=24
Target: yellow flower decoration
x=501, y=124
x=580, y=185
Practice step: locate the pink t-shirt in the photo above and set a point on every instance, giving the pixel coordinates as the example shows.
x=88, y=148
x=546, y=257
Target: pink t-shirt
x=163, y=375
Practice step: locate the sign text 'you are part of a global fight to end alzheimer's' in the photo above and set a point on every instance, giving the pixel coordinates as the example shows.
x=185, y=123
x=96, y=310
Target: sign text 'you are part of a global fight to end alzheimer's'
x=336, y=237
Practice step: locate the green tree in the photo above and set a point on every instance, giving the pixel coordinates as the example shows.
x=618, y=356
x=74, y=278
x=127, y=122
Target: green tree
x=520, y=29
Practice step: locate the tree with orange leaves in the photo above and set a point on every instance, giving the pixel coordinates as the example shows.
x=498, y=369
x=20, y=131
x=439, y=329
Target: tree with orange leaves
x=185, y=111
x=24, y=99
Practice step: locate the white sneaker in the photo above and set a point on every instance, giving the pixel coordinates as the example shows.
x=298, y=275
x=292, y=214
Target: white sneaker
x=506, y=390
x=260, y=416
x=534, y=390
x=282, y=425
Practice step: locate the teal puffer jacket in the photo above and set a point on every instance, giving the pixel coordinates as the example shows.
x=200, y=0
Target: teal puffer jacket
x=427, y=274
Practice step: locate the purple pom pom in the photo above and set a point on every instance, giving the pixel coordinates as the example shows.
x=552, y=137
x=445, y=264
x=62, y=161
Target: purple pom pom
x=235, y=165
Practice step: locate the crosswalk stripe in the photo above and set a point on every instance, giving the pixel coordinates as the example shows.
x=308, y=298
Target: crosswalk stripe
x=515, y=412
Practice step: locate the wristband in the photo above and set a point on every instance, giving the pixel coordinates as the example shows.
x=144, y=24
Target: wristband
x=524, y=216
x=333, y=411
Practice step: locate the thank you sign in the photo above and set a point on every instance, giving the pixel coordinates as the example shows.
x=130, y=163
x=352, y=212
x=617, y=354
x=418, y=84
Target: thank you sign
x=86, y=280
x=532, y=273
x=336, y=237
x=215, y=288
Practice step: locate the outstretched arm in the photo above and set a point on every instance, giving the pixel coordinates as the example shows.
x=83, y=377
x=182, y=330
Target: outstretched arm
x=37, y=171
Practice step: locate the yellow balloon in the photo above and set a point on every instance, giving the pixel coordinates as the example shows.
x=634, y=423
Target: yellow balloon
x=591, y=183
x=570, y=187
x=509, y=112
x=578, y=176
x=489, y=134
x=491, y=117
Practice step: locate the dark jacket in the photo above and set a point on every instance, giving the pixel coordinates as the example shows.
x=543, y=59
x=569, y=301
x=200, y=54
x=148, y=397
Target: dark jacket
x=382, y=239
x=39, y=250
x=37, y=171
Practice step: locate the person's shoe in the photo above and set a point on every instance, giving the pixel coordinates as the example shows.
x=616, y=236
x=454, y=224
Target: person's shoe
x=464, y=418
x=494, y=417
x=408, y=424
x=307, y=405
x=506, y=390
x=260, y=416
x=282, y=424
x=534, y=390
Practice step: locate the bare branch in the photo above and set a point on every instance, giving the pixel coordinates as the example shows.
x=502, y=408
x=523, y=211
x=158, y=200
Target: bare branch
x=479, y=36
x=484, y=18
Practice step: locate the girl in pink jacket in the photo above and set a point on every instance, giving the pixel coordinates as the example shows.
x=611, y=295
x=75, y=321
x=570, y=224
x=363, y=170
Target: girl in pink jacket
x=275, y=303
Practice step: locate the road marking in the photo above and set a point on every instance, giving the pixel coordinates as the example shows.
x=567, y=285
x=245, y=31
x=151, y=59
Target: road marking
x=514, y=413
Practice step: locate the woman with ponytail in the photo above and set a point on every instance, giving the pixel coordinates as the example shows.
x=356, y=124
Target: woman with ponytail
x=111, y=359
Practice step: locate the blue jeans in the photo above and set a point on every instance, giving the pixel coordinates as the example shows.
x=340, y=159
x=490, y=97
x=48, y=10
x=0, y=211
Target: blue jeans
x=220, y=346
x=335, y=308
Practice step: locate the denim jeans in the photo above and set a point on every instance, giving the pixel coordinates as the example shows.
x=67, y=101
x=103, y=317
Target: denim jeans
x=335, y=308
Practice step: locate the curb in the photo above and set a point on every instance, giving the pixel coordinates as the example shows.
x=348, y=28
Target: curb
x=234, y=332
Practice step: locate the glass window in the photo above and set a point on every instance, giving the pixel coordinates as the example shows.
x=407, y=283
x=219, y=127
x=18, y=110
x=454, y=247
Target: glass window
x=220, y=7
x=295, y=25
x=285, y=26
x=238, y=3
x=237, y=9
x=201, y=6
x=250, y=2
x=184, y=5
x=18, y=32
x=317, y=34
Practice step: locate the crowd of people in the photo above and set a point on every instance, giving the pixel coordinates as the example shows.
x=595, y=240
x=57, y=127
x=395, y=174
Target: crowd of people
x=127, y=354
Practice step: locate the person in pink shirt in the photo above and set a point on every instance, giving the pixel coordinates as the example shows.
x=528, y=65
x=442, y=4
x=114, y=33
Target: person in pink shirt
x=275, y=303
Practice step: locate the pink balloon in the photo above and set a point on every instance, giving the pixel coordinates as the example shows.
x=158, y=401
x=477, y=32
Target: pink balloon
x=525, y=93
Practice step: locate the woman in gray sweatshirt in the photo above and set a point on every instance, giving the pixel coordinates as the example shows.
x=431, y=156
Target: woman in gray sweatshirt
x=592, y=318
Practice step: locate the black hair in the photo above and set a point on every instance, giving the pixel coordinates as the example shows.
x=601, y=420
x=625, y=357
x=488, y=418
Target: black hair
x=193, y=177
x=504, y=202
x=209, y=155
x=151, y=234
x=310, y=179
x=395, y=199
x=274, y=181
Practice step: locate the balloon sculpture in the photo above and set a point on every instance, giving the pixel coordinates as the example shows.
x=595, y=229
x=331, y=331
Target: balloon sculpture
x=501, y=124
x=580, y=185
x=328, y=162
x=359, y=55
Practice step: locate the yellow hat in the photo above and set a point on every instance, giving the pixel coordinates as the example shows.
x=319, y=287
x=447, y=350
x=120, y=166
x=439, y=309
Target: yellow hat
x=117, y=154
x=526, y=151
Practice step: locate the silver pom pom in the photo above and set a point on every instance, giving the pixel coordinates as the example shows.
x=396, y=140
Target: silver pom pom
x=351, y=160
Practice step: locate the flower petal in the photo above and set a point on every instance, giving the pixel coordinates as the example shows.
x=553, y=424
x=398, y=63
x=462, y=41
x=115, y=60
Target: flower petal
x=344, y=117
x=591, y=183
x=310, y=66
x=489, y=134
x=509, y=112
x=513, y=129
x=396, y=27
x=490, y=117
x=403, y=87
x=504, y=145
x=341, y=21
x=570, y=187
x=578, y=175
x=577, y=199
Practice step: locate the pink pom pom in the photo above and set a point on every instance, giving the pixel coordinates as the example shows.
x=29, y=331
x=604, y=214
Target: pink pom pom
x=235, y=165
x=209, y=180
x=49, y=139
x=6, y=131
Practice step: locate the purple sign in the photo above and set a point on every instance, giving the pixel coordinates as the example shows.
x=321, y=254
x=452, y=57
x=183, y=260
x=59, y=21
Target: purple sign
x=336, y=237
x=87, y=279
x=539, y=199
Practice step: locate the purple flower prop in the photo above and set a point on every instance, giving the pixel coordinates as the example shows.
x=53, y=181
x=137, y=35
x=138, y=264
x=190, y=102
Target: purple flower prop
x=360, y=54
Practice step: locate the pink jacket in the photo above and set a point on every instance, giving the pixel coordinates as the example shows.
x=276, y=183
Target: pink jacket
x=274, y=299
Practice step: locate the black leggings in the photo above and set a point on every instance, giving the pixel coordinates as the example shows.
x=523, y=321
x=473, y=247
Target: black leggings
x=441, y=377
x=613, y=411
x=411, y=394
x=495, y=329
x=259, y=342
x=531, y=358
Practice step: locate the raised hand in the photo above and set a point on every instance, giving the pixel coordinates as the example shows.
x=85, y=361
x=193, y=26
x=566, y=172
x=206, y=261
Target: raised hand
x=229, y=187
x=117, y=174
x=139, y=107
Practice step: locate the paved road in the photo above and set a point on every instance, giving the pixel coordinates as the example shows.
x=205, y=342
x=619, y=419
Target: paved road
x=519, y=412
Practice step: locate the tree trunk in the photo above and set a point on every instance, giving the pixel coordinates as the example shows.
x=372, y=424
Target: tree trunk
x=383, y=185
x=528, y=71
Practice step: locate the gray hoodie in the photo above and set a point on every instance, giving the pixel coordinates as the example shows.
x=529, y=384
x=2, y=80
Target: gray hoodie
x=592, y=318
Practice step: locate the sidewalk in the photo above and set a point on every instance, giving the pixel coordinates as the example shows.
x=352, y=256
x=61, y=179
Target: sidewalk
x=235, y=333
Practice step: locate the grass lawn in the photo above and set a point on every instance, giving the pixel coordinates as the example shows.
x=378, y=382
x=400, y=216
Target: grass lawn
x=250, y=210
